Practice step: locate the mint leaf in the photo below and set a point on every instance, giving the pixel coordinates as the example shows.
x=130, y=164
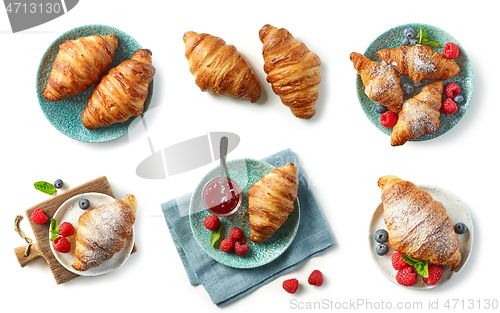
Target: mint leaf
x=424, y=40
x=54, y=226
x=421, y=36
x=215, y=236
x=54, y=237
x=432, y=43
x=45, y=187
x=422, y=267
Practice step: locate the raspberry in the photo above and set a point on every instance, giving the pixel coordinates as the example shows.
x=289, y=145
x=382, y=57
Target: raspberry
x=406, y=277
x=227, y=245
x=397, y=261
x=62, y=244
x=449, y=106
x=451, y=90
x=66, y=229
x=39, y=217
x=240, y=249
x=236, y=234
x=211, y=222
x=291, y=285
x=435, y=273
x=316, y=278
x=451, y=51
x=388, y=119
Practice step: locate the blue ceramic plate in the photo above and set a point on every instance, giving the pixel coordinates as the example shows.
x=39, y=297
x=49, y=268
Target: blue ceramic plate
x=393, y=39
x=245, y=172
x=65, y=115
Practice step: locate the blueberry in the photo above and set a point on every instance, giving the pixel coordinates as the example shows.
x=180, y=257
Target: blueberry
x=460, y=228
x=406, y=42
x=458, y=99
x=408, y=88
x=84, y=203
x=381, y=249
x=380, y=109
x=413, y=42
x=381, y=236
x=409, y=33
x=58, y=183
x=416, y=85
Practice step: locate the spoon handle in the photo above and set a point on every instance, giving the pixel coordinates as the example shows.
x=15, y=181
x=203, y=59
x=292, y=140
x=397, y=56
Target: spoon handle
x=223, y=153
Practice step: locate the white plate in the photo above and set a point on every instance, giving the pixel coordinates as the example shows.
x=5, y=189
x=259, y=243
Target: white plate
x=457, y=213
x=70, y=212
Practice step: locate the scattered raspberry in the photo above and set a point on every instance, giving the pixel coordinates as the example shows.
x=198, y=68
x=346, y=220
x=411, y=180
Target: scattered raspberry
x=62, y=244
x=240, y=249
x=451, y=51
x=388, y=119
x=449, y=106
x=236, y=234
x=406, y=277
x=211, y=222
x=397, y=261
x=291, y=285
x=316, y=278
x=39, y=217
x=66, y=229
x=435, y=273
x=227, y=245
x=451, y=90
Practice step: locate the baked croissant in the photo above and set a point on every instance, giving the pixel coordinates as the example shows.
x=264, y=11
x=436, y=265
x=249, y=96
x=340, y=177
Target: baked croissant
x=102, y=232
x=419, y=62
x=121, y=92
x=381, y=82
x=79, y=64
x=419, y=115
x=292, y=70
x=417, y=224
x=271, y=200
x=218, y=68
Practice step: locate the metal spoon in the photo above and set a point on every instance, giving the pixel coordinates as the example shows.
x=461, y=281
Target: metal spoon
x=223, y=168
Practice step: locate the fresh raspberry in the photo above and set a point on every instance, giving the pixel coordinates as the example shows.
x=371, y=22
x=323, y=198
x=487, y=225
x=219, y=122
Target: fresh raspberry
x=451, y=51
x=291, y=285
x=397, y=261
x=62, y=244
x=66, y=229
x=435, y=273
x=451, y=90
x=227, y=245
x=240, y=248
x=406, y=277
x=316, y=278
x=388, y=119
x=39, y=217
x=449, y=106
x=236, y=234
x=211, y=222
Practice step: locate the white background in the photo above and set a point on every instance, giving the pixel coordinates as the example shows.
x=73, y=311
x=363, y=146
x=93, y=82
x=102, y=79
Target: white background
x=340, y=151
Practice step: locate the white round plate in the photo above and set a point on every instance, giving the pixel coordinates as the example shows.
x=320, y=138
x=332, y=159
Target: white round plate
x=457, y=213
x=70, y=212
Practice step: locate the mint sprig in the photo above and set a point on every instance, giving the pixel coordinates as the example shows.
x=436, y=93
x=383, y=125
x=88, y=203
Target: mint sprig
x=215, y=236
x=45, y=187
x=423, y=39
x=54, y=229
x=422, y=267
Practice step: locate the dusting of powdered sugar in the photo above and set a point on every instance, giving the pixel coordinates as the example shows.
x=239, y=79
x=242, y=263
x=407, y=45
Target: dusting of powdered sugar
x=422, y=62
x=383, y=79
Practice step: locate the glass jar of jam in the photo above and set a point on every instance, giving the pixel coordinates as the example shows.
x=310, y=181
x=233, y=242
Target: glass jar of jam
x=222, y=199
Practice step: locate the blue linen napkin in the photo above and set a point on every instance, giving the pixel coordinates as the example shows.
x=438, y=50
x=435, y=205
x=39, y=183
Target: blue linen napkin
x=225, y=284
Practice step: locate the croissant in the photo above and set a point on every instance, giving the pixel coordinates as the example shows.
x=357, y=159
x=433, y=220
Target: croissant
x=417, y=224
x=79, y=64
x=102, y=232
x=419, y=115
x=381, y=82
x=218, y=68
x=292, y=70
x=121, y=92
x=271, y=200
x=419, y=62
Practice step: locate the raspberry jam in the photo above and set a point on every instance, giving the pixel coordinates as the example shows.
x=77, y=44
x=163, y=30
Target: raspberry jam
x=222, y=200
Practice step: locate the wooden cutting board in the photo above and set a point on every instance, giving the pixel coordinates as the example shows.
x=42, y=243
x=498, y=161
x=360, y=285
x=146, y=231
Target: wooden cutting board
x=41, y=248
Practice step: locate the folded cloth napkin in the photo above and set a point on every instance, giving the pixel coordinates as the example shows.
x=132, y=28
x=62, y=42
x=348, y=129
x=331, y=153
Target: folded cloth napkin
x=225, y=284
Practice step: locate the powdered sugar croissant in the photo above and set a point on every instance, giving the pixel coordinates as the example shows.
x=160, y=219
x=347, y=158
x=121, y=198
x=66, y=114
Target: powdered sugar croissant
x=271, y=200
x=79, y=64
x=292, y=70
x=418, y=225
x=102, y=232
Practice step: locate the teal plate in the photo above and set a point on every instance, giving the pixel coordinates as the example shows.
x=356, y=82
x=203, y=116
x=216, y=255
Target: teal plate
x=393, y=39
x=245, y=172
x=65, y=115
